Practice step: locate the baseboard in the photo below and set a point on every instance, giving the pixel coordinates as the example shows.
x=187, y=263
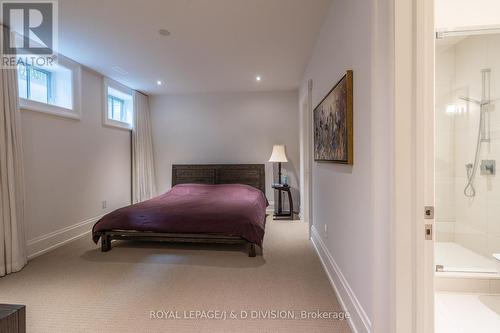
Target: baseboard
x=359, y=322
x=48, y=242
x=270, y=208
x=302, y=218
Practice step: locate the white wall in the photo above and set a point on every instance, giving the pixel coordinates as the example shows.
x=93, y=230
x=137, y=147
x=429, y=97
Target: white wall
x=466, y=13
x=445, y=142
x=71, y=167
x=225, y=128
x=353, y=200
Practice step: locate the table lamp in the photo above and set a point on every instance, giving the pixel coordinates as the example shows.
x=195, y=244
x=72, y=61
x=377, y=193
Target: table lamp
x=278, y=155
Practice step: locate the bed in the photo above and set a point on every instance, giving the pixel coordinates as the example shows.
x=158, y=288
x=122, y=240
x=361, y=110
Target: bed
x=223, y=203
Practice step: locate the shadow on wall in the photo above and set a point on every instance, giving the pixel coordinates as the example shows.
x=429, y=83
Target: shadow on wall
x=337, y=168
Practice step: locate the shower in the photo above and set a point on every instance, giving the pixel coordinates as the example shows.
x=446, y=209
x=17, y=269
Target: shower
x=467, y=146
x=482, y=134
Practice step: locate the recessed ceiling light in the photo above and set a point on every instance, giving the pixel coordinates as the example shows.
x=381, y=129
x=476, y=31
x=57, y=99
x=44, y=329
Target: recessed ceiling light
x=159, y=82
x=258, y=78
x=164, y=32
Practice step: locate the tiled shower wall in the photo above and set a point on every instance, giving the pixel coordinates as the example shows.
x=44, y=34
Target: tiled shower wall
x=470, y=222
x=445, y=144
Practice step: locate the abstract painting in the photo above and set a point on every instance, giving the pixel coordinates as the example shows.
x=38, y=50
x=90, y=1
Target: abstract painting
x=333, y=124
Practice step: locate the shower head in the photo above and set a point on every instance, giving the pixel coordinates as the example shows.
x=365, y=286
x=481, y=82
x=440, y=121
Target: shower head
x=471, y=100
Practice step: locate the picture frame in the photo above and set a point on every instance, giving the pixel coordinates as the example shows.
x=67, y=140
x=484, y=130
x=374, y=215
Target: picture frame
x=333, y=124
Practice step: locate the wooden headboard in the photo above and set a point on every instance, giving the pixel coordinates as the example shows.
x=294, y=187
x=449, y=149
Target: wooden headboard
x=248, y=174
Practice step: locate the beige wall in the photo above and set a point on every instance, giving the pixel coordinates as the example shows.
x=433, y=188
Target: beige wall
x=466, y=13
x=71, y=167
x=225, y=128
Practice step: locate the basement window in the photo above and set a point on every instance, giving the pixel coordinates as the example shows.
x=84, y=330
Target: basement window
x=52, y=89
x=118, y=105
x=34, y=83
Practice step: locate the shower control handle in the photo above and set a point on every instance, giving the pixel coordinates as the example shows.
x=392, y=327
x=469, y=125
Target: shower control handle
x=488, y=167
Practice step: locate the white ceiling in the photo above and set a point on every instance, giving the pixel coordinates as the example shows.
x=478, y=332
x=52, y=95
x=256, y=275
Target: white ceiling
x=215, y=45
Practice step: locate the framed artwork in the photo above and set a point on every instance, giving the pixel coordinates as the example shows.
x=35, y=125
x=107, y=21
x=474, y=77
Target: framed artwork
x=333, y=124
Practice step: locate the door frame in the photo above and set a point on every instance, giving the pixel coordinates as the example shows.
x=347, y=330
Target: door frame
x=306, y=121
x=413, y=266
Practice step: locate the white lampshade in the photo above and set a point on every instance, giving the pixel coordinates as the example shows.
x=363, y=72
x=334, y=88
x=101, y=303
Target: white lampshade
x=278, y=154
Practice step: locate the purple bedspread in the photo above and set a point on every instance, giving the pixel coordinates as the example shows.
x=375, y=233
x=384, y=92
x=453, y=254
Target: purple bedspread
x=229, y=210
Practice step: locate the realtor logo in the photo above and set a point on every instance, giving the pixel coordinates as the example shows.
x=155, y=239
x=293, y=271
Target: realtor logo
x=29, y=29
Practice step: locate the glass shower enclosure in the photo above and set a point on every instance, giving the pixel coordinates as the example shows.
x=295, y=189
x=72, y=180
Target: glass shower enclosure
x=467, y=151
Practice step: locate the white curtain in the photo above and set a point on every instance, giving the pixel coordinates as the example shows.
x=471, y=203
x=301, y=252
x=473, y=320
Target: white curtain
x=12, y=238
x=143, y=172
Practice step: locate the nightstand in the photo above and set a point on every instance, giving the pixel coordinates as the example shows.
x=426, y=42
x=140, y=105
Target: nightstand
x=279, y=214
x=12, y=318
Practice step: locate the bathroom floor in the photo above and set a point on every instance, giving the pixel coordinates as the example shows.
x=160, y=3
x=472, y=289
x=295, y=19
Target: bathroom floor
x=467, y=313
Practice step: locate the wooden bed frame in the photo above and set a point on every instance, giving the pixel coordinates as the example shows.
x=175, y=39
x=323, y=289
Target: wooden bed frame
x=248, y=174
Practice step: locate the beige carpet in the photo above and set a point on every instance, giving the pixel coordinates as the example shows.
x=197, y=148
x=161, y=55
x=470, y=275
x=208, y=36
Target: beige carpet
x=76, y=288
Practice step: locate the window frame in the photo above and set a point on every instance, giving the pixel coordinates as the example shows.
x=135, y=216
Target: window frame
x=76, y=78
x=28, y=69
x=108, y=83
x=114, y=100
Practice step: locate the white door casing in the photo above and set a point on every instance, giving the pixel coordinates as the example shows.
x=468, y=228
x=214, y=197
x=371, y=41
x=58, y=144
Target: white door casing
x=425, y=58
x=413, y=165
x=306, y=146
